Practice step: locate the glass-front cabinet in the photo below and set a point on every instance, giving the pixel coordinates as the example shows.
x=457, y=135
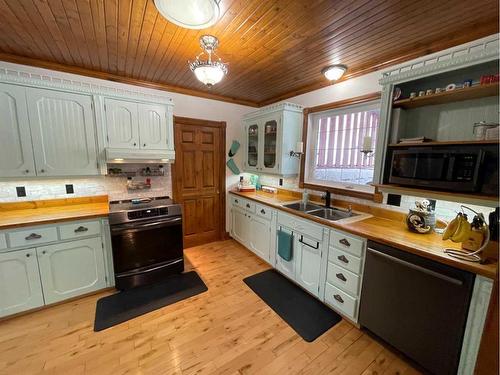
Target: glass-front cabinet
x=253, y=146
x=271, y=133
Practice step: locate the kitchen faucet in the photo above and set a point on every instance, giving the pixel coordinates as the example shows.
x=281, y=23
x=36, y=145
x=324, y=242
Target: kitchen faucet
x=327, y=197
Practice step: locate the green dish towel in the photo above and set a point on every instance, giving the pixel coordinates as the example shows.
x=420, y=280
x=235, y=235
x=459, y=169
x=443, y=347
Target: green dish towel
x=285, y=245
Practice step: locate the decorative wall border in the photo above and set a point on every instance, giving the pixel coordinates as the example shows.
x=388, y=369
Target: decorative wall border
x=476, y=52
x=475, y=324
x=51, y=81
x=273, y=108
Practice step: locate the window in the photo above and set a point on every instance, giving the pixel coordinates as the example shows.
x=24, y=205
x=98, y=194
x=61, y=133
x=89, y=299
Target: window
x=335, y=139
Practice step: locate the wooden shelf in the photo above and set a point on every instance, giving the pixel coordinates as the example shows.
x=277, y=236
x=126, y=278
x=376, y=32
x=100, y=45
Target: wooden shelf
x=457, y=95
x=439, y=143
x=480, y=199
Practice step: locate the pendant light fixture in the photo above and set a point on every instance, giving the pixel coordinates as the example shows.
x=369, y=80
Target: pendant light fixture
x=334, y=72
x=190, y=14
x=208, y=71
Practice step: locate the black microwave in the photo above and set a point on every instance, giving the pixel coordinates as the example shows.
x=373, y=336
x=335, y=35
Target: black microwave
x=446, y=168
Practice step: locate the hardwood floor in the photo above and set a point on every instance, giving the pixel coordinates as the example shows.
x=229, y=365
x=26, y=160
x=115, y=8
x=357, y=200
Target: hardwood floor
x=227, y=330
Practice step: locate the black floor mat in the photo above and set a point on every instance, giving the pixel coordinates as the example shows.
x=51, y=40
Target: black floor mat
x=305, y=314
x=123, y=306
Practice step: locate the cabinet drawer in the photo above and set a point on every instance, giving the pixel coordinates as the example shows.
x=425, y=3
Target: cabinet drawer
x=32, y=237
x=3, y=241
x=341, y=301
x=312, y=230
x=263, y=211
x=346, y=242
x=345, y=280
x=243, y=203
x=345, y=260
x=76, y=230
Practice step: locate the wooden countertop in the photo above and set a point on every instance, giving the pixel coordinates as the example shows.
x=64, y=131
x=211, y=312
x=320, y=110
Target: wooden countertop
x=19, y=214
x=386, y=230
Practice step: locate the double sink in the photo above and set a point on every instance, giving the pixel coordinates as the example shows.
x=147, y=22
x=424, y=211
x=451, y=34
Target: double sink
x=332, y=214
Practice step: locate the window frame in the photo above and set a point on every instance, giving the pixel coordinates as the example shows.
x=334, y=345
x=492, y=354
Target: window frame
x=376, y=196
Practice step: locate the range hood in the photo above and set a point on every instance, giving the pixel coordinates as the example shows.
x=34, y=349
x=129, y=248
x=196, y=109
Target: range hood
x=125, y=156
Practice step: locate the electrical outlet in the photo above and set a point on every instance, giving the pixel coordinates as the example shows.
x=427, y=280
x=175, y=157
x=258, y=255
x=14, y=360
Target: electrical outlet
x=70, y=189
x=21, y=191
x=394, y=199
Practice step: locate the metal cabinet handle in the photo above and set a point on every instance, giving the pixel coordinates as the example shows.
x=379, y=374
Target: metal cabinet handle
x=144, y=145
x=341, y=277
x=44, y=252
x=28, y=255
x=236, y=201
x=42, y=170
x=33, y=236
x=342, y=258
x=338, y=298
x=27, y=171
x=248, y=205
x=301, y=240
x=135, y=144
x=81, y=229
x=344, y=242
x=263, y=211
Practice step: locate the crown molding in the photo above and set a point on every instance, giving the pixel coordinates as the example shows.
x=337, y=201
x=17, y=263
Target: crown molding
x=286, y=106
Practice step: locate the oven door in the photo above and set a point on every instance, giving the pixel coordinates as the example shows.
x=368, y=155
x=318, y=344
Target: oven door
x=143, y=247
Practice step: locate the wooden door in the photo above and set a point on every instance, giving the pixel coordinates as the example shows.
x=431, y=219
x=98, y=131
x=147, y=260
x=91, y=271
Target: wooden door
x=71, y=269
x=153, y=126
x=122, y=123
x=199, y=178
x=20, y=287
x=63, y=133
x=16, y=151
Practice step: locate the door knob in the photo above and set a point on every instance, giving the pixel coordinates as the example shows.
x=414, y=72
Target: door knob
x=27, y=171
x=144, y=145
x=28, y=255
x=42, y=170
x=135, y=144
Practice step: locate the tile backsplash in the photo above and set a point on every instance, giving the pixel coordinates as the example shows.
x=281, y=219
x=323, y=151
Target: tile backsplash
x=445, y=210
x=54, y=188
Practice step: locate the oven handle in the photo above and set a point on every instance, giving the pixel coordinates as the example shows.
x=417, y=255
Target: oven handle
x=137, y=227
x=148, y=269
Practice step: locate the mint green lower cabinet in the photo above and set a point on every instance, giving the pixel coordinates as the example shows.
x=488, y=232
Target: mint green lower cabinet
x=71, y=269
x=20, y=287
x=259, y=240
x=308, y=263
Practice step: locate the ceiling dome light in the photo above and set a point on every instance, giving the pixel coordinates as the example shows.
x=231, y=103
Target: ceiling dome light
x=207, y=71
x=190, y=14
x=334, y=72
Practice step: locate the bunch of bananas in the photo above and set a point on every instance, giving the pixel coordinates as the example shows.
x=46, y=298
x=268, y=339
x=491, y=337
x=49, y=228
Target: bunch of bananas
x=459, y=229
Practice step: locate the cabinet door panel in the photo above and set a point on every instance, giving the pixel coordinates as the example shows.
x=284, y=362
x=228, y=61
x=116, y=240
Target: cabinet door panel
x=20, y=287
x=16, y=151
x=240, y=226
x=270, y=145
x=308, y=265
x=122, y=124
x=252, y=158
x=153, y=127
x=260, y=237
x=70, y=269
x=63, y=131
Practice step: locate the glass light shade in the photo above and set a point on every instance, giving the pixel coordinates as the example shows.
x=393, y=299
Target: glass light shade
x=334, y=72
x=190, y=14
x=209, y=74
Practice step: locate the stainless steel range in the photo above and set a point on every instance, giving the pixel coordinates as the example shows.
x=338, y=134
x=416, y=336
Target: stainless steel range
x=146, y=235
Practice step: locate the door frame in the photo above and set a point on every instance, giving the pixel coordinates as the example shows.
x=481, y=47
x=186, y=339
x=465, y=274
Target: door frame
x=221, y=125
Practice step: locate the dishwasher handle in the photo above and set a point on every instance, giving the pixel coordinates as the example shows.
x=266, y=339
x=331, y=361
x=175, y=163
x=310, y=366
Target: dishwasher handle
x=416, y=267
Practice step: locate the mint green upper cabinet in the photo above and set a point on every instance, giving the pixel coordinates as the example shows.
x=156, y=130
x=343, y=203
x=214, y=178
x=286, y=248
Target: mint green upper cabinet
x=71, y=269
x=20, y=287
x=63, y=133
x=270, y=134
x=16, y=152
x=122, y=123
x=153, y=129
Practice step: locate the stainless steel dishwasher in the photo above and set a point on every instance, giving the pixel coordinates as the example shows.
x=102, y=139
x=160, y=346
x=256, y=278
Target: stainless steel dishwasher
x=417, y=305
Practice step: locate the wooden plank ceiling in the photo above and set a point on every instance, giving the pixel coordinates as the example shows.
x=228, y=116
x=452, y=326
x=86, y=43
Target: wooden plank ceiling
x=275, y=48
